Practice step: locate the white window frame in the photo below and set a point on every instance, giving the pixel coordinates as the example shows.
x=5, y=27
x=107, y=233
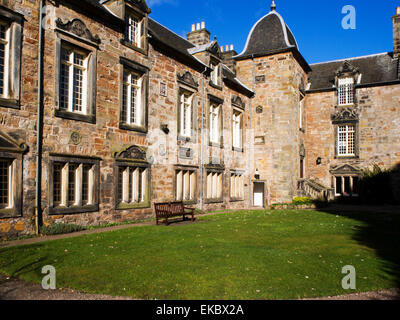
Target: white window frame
x=185, y=106
x=78, y=185
x=346, y=91
x=185, y=185
x=72, y=66
x=237, y=186
x=214, y=120
x=6, y=68
x=138, y=103
x=214, y=185
x=134, y=180
x=134, y=28
x=237, y=132
x=346, y=140
x=215, y=74
x=10, y=183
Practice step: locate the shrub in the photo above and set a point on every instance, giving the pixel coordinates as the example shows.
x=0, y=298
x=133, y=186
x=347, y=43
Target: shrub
x=60, y=228
x=302, y=200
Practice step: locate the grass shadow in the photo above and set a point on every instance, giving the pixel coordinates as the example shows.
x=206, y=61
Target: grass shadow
x=380, y=231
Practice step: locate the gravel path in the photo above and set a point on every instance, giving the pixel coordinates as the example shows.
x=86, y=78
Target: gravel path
x=15, y=289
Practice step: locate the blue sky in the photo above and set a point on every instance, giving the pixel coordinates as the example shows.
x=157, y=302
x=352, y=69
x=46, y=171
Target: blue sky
x=316, y=24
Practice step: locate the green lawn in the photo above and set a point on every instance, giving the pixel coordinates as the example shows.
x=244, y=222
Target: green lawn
x=242, y=255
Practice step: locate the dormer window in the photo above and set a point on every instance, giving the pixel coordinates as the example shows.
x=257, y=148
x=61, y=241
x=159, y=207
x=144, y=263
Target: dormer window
x=215, y=75
x=133, y=31
x=346, y=91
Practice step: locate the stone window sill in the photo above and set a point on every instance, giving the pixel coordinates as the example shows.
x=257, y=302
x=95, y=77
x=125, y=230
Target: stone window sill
x=9, y=213
x=346, y=157
x=73, y=210
x=130, y=127
x=133, y=47
x=210, y=201
x=9, y=103
x=237, y=149
x=75, y=116
x=127, y=206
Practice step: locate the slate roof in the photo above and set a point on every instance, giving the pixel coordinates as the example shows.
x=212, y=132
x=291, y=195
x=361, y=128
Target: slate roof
x=378, y=68
x=172, y=40
x=269, y=35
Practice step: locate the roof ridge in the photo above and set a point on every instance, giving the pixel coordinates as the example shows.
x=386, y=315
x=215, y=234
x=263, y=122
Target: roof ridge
x=352, y=58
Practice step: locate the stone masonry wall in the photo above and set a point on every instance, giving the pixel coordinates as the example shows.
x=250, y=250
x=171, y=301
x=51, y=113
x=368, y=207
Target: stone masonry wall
x=379, y=131
x=21, y=123
x=104, y=137
x=275, y=121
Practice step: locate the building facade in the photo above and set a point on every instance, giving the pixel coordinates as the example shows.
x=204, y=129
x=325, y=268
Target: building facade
x=104, y=112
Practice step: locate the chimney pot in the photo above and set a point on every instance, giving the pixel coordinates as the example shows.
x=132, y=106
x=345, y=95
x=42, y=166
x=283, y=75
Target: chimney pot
x=193, y=27
x=226, y=48
x=222, y=48
x=198, y=26
x=398, y=10
x=203, y=25
x=231, y=47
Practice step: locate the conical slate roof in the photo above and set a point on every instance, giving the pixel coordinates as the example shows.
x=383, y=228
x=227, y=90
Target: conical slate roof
x=269, y=35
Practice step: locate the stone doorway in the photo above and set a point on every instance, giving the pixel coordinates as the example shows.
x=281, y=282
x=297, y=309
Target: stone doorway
x=258, y=194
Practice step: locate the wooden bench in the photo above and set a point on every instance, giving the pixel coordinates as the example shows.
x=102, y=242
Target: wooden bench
x=172, y=209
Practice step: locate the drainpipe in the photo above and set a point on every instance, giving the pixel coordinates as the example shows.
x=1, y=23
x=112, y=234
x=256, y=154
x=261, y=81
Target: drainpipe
x=202, y=138
x=38, y=204
x=251, y=161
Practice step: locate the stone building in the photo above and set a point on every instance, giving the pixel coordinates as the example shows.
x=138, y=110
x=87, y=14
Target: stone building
x=104, y=112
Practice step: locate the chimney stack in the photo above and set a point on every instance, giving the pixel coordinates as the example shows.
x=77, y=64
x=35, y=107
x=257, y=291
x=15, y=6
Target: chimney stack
x=199, y=34
x=396, y=34
x=227, y=57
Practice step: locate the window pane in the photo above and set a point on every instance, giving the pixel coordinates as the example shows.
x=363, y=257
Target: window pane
x=338, y=185
x=131, y=98
x=73, y=74
x=133, y=30
x=85, y=184
x=57, y=183
x=78, y=90
x=71, y=183
x=4, y=180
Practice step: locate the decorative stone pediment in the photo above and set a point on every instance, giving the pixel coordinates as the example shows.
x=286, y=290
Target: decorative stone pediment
x=78, y=28
x=238, y=102
x=345, y=115
x=346, y=69
x=345, y=169
x=8, y=143
x=135, y=153
x=188, y=79
x=215, y=49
